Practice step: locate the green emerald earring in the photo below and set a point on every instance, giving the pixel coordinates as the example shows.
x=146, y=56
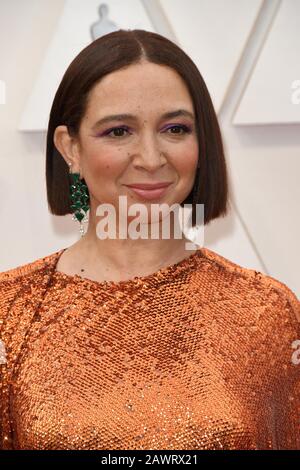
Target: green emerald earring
x=79, y=197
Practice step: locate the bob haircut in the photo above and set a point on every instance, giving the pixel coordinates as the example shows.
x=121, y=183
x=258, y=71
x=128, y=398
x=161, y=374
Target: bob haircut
x=112, y=52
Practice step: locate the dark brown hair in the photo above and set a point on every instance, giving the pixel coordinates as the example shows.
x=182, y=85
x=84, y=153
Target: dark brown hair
x=107, y=54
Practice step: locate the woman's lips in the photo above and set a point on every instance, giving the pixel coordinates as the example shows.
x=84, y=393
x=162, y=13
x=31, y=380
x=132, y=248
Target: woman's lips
x=149, y=193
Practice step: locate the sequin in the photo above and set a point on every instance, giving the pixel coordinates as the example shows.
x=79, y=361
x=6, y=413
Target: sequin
x=202, y=354
x=2, y=353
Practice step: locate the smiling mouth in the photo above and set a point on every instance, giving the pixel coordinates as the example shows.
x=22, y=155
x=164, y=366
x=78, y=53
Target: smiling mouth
x=150, y=185
x=153, y=193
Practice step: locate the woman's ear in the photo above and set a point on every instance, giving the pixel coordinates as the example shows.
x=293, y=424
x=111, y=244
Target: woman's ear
x=66, y=146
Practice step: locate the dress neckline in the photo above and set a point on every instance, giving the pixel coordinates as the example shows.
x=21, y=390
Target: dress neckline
x=163, y=274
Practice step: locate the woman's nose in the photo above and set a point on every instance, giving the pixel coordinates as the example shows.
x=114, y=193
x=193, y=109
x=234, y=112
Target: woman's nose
x=150, y=158
x=151, y=164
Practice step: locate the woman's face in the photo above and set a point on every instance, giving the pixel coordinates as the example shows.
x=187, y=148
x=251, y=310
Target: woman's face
x=144, y=148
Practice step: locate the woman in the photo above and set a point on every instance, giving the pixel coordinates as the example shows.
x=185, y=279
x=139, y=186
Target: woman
x=141, y=343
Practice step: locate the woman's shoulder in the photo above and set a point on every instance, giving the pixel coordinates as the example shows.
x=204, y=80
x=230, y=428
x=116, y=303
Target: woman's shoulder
x=18, y=273
x=24, y=282
x=28, y=277
x=254, y=282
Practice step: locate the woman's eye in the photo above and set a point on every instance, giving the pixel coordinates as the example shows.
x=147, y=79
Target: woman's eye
x=109, y=132
x=185, y=129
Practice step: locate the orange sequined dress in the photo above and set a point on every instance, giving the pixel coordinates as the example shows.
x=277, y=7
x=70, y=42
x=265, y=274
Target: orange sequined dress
x=202, y=354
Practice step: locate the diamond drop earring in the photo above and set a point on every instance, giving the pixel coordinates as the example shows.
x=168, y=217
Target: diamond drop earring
x=79, y=196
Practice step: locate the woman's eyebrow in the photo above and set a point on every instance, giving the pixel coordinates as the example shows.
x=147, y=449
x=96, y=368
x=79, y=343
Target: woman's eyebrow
x=122, y=117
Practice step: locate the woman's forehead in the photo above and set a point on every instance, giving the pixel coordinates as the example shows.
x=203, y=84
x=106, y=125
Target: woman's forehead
x=134, y=81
